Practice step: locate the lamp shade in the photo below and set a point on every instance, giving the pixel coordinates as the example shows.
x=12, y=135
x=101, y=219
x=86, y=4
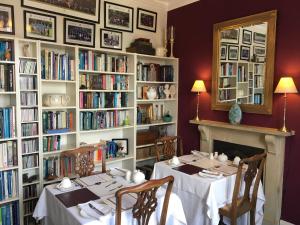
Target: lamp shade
x=198, y=86
x=286, y=85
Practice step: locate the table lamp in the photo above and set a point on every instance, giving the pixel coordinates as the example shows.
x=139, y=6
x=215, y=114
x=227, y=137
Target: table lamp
x=198, y=87
x=285, y=85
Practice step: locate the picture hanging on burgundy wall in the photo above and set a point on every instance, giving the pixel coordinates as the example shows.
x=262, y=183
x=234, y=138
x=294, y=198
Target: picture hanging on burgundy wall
x=146, y=20
x=7, y=24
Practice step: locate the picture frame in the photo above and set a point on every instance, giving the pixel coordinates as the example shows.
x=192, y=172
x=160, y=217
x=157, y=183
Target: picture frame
x=39, y=26
x=259, y=51
x=111, y=39
x=146, y=20
x=233, y=52
x=88, y=10
x=231, y=36
x=245, y=53
x=223, y=52
x=259, y=38
x=118, y=17
x=79, y=33
x=122, y=144
x=7, y=19
x=247, y=37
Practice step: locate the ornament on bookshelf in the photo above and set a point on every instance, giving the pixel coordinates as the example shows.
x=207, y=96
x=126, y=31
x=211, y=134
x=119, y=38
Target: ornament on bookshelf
x=55, y=99
x=151, y=93
x=51, y=174
x=167, y=91
x=26, y=50
x=235, y=114
x=167, y=117
x=172, y=91
x=172, y=40
x=161, y=51
x=7, y=55
x=126, y=121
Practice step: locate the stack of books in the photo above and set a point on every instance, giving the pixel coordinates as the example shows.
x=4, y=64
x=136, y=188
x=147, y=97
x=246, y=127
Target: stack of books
x=7, y=78
x=57, y=122
x=9, y=214
x=8, y=154
x=8, y=184
x=104, y=82
x=7, y=122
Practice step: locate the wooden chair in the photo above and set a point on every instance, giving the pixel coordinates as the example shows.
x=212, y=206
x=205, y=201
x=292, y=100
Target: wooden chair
x=146, y=200
x=171, y=146
x=84, y=159
x=245, y=203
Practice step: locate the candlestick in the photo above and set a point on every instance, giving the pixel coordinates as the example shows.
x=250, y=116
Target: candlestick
x=172, y=40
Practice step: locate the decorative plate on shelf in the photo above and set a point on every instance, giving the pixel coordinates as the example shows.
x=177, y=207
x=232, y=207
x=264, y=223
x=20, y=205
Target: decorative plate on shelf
x=235, y=114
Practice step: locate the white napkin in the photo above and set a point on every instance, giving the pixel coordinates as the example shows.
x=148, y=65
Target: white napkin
x=105, y=209
x=209, y=175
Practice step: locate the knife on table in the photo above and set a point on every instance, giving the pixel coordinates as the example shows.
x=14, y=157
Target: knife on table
x=97, y=210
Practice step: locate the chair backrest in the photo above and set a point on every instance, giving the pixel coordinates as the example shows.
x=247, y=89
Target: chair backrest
x=171, y=145
x=255, y=169
x=146, y=200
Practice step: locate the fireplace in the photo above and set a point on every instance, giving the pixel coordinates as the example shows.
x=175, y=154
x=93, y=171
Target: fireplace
x=221, y=136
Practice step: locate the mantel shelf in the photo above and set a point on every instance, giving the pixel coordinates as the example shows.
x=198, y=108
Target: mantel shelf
x=249, y=128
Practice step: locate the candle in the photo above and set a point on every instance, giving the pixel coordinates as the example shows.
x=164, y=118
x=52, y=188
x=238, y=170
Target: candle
x=172, y=34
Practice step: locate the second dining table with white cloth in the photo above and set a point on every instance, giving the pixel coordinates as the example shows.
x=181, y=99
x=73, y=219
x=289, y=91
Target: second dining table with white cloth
x=52, y=211
x=202, y=197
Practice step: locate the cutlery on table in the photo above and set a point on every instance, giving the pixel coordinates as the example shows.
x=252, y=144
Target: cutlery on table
x=97, y=210
x=111, y=184
x=116, y=188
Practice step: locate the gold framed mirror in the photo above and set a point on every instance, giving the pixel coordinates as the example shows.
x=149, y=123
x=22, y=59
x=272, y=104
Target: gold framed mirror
x=243, y=63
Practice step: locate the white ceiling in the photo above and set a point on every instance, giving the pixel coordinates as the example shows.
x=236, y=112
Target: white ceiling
x=173, y=4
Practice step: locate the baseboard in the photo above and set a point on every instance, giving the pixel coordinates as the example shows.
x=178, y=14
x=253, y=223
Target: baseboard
x=282, y=222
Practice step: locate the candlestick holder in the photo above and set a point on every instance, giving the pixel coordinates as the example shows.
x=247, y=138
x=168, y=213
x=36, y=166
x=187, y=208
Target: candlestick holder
x=171, y=47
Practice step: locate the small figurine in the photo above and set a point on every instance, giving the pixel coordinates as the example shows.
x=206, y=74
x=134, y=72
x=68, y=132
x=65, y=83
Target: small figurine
x=172, y=91
x=26, y=50
x=167, y=91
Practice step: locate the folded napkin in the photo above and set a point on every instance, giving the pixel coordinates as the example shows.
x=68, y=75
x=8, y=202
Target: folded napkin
x=93, y=213
x=210, y=175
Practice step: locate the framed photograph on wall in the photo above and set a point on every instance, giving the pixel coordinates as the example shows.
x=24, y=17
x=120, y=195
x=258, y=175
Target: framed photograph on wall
x=233, y=52
x=82, y=9
x=7, y=20
x=122, y=144
x=146, y=20
x=118, y=17
x=259, y=51
x=259, y=38
x=223, y=52
x=39, y=26
x=79, y=33
x=111, y=39
x=245, y=53
x=247, y=37
x=230, y=36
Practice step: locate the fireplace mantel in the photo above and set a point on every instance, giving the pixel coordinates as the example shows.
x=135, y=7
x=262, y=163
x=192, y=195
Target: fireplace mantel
x=269, y=139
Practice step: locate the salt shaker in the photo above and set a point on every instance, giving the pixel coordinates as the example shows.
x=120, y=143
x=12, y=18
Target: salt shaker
x=128, y=176
x=211, y=156
x=216, y=155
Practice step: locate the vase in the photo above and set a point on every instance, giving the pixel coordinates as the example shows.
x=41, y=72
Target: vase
x=235, y=114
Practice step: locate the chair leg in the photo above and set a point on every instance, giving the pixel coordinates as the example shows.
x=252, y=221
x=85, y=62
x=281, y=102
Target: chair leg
x=252, y=217
x=221, y=221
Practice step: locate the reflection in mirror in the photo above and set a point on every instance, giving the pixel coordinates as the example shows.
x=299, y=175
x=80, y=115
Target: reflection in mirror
x=243, y=63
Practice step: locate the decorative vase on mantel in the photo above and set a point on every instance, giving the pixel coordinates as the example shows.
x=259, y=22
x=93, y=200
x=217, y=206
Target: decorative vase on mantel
x=235, y=114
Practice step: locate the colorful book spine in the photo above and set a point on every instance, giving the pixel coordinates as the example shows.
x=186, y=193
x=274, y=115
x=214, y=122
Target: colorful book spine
x=8, y=184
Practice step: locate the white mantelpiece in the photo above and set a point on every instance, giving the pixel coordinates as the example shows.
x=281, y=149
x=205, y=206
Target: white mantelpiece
x=269, y=139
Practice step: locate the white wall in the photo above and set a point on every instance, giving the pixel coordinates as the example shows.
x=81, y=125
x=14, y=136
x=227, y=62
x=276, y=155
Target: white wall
x=156, y=38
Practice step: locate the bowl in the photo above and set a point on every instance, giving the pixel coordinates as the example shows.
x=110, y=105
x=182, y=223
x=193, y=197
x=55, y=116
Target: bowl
x=167, y=118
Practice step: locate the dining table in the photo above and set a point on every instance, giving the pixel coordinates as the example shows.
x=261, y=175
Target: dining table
x=91, y=201
x=203, y=193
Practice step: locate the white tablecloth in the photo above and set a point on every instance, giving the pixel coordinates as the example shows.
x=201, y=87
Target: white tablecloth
x=53, y=212
x=202, y=197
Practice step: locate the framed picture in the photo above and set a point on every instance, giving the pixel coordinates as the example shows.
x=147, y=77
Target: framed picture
x=122, y=145
x=230, y=36
x=259, y=38
x=39, y=26
x=245, y=53
x=110, y=39
x=146, y=20
x=233, y=52
x=247, y=37
x=118, y=17
x=79, y=33
x=83, y=9
x=223, y=52
x=259, y=51
x=7, y=23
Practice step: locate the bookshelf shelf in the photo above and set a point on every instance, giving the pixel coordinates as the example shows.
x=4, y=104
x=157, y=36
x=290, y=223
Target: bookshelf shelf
x=155, y=124
x=30, y=137
x=31, y=183
x=58, y=107
x=7, y=62
x=28, y=57
x=32, y=168
x=156, y=82
x=155, y=100
x=106, y=129
x=8, y=93
x=9, y=168
x=66, y=133
x=9, y=200
x=106, y=109
x=130, y=91
x=146, y=159
x=30, y=153
x=8, y=139
x=33, y=121
x=105, y=72
x=59, y=81
x=29, y=199
x=28, y=74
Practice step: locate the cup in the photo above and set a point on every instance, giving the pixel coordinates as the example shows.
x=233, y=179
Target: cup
x=175, y=160
x=211, y=156
x=216, y=155
x=236, y=160
x=128, y=175
x=65, y=183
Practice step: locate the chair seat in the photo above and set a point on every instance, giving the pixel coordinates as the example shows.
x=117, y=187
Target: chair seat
x=243, y=208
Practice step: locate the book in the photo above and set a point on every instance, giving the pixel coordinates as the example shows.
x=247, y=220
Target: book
x=7, y=122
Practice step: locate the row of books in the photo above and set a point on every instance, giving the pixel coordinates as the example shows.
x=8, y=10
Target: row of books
x=227, y=94
x=160, y=91
x=51, y=143
x=56, y=66
x=30, y=191
x=259, y=69
x=53, y=169
x=90, y=60
x=28, y=209
x=155, y=72
x=28, y=82
x=258, y=98
x=57, y=121
x=228, y=69
x=242, y=75
x=104, y=82
x=8, y=154
x=67, y=166
x=226, y=82
x=28, y=115
x=8, y=184
x=9, y=214
x=29, y=129
x=94, y=100
x=258, y=81
x=28, y=99
x=29, y=146
x=27, y=66
x=102, y=119
x=7, y=78
x=6, y=46
x=30, y=161
x=7, y=122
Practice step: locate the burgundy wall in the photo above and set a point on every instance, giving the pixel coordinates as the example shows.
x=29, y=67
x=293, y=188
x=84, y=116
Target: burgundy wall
x=193, y=45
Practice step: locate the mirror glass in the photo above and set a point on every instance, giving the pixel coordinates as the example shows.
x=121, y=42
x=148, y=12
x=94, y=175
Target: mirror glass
x=244, y=63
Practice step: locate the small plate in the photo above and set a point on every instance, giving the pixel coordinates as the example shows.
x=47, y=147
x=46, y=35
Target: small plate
x=66, y=189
